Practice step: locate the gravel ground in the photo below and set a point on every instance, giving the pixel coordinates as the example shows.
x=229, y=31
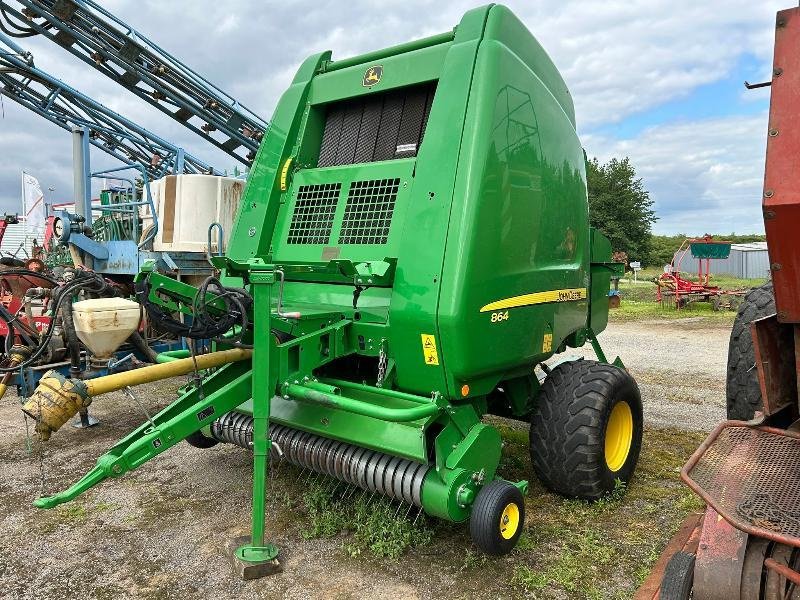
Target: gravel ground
x=679, y=366
x=159, y=531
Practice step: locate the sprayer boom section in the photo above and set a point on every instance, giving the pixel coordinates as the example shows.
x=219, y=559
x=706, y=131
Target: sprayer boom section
x=413, y=240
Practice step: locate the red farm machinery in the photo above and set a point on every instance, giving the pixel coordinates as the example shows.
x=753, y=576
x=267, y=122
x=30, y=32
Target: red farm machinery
x=747, y=544
x=673, y=289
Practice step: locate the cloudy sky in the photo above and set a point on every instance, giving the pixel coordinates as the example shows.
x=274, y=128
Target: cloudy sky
x=659, y=81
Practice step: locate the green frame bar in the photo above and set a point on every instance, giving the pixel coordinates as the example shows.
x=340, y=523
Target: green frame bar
x=262, y=278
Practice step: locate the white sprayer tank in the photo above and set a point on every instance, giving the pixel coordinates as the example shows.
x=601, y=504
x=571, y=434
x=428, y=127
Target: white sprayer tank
x=103, y=324
x=187, y=204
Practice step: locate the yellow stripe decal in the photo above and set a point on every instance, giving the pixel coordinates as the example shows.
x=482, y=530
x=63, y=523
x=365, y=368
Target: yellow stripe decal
x=285, y=173
x=568, y=295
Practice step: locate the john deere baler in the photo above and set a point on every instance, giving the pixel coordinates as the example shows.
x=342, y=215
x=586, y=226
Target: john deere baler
x=412, y=242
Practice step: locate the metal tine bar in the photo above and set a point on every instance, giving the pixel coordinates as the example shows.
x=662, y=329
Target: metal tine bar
x=352, y=491
x=303, y=472
x=329, y=484
x=308, y=475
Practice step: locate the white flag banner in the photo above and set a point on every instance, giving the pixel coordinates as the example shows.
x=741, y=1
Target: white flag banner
x=33, y=206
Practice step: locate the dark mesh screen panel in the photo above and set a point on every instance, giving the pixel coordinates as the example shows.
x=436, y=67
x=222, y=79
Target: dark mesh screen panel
x=368, y=212
x=314, y=209
x=331, y=135
x=378, y=127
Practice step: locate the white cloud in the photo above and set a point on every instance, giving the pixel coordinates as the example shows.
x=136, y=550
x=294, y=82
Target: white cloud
x=704, y=176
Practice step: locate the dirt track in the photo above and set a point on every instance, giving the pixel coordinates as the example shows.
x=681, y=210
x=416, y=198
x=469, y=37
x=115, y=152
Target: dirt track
x=159, y=532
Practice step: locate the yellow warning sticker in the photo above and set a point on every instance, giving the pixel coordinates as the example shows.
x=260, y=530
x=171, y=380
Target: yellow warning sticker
x=547, y=342
x=429, y=349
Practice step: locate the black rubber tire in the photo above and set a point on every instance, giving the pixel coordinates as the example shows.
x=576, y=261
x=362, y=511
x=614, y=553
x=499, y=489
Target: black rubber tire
x=742, y=390
x=198, y=440
x=568, y=428
x=486, y=515
x=678, y=577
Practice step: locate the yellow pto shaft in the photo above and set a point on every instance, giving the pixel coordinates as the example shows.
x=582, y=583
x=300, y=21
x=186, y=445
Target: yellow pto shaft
x=112, y=383
x=58, y=398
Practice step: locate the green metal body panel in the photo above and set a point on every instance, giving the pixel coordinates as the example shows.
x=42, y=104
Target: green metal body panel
x=492, y=207
x=521, y=225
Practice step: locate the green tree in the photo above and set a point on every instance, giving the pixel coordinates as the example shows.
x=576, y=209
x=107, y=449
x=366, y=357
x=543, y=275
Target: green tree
x=620, y=207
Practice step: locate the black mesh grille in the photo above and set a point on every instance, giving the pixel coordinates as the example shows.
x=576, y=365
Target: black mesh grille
x=381, y=126
x=314, y=209
x=368, y=213
x=331, y=135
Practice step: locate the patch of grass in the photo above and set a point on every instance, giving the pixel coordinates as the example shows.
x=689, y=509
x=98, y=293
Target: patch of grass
x=72, y=513
x=528, y=579
x=639, y=299
x=568, y=548
x=639, y=310
x=474, y=559
x=602, y=549
x=374, y=524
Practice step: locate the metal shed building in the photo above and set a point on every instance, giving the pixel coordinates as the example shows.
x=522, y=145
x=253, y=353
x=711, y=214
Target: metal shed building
x=14, y=242
x=748, y=261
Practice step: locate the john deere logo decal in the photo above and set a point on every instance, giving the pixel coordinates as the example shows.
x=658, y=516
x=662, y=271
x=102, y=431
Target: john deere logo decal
x=373, y=76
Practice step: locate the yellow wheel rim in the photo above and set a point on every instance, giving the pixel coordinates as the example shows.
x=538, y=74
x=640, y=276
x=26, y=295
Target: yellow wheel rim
x=509, y=521
x=619, y=435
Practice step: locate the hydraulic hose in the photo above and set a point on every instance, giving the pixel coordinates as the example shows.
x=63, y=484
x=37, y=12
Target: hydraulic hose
x=137, y=342
x=58, y=398
x=73, y=343
x=208, y=322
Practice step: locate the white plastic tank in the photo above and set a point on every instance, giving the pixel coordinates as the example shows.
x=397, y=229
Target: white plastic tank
x=187, y=204
x=103, y=324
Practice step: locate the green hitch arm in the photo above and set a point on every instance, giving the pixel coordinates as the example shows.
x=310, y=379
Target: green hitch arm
x=384, y=413
x=601, y=356
x=173, y=424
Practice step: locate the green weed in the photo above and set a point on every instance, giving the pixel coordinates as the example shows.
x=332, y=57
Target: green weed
x=374, y=524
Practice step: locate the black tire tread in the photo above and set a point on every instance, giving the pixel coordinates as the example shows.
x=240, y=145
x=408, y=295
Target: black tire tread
x=484, y=517
x=678, y=577
x=567, y=434
x=743, y=393
x=198, y=440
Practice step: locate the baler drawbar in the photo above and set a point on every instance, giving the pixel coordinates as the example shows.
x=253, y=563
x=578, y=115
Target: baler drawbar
x=412, y=242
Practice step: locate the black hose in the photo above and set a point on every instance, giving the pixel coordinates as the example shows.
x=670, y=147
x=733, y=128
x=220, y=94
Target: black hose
x=22, y=31
x=207, y=323
x=141, y=346
x=73, y=343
